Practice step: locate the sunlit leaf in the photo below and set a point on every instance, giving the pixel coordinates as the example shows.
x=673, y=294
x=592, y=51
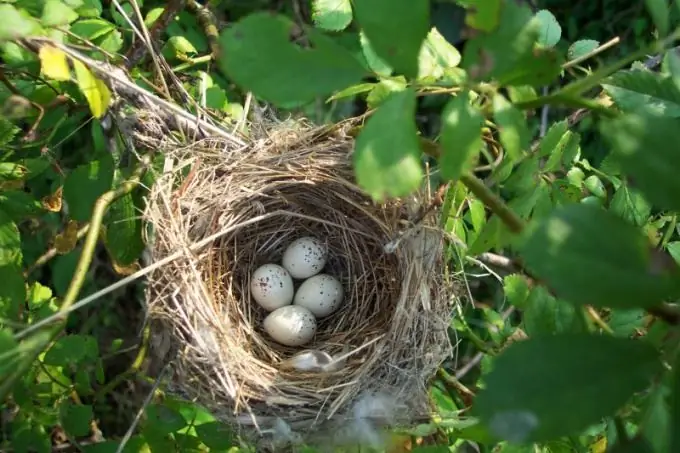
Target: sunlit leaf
x=54, y=64
x=95, y=91
x=334, y=15
x=550, y=30
x=461, y=136
x=638, y=91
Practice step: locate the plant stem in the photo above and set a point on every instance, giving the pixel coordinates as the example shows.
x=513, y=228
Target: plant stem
x=611, y=43
x=493, y=202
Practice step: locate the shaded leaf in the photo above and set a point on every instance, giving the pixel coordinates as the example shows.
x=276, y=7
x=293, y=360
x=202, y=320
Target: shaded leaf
x=645, y=148
x=15, y=23
x=658, y=9
x=483, y=15
x=123, y=237
x=95, y=91
x=635, y=445
x=512, y=126
x=382, y=91
x=352, y=91
x=375, y=63
x=258, y=55
x=53, y=63
x=552, y=138
x=215, y=435
x=625, y=323
x=541, y=389
x=674, y=433
x=10, y=241
x=516, y=289
x=163, y=419
x=581, y=48
x=630, y=205
x=388, y=164
x=399, y=39
x=19, y=205
x=91, y=29
x=76, y=418
x=332, y=15
x=461, y=136
x=72, y=350
x=12, y=291
x=590, y=256
x=87, y=183
x=647, y=92
x=550, y=30
x=546, y=315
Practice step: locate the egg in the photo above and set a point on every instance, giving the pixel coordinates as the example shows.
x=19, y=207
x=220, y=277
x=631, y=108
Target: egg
x=320, y=294
x=305, y=257
x=272, y=287
x=291, y=325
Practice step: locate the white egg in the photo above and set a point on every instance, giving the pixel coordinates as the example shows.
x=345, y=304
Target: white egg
x=291, y=325
x=305, y=257
x=321, y=294
x=272, y=287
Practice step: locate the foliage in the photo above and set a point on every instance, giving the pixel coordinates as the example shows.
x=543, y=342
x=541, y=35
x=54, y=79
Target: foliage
x=557, y=168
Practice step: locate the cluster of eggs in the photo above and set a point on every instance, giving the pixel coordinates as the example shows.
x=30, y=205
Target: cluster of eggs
x=293, y=314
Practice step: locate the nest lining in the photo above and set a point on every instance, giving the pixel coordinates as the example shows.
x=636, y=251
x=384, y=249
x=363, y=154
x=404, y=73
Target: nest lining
x=391, y=331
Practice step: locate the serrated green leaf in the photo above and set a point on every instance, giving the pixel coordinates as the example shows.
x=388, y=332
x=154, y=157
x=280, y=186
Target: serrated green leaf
x=123, y=237
x=550, y=31
x=516, y=289
x=163, y=419
x=544, y=388
x=7, y=130
x=388, y=164
x=375, y=63
x=645, y=148
x=399, y=39
x=630, y=205
x=10, y=241
x=646, y=92
x=56, y=12
x=215, y=435
x=658, y=9
x=12, y=170
x=76, y=418
x=72, y=350
x=591, y=256
x=552, y=138
x=477, y=214
x=258, y=55
x=334, y=15
x=566, y=151
x=512, y=127
x=382, y=91
x=545, y=315
x=92, y=29
x=18, y=204
x=461, y=136
x=87, y=183
x=625, y=323
x=581, y=48
x=111, y=42
x=483, y=15
x=436, y=56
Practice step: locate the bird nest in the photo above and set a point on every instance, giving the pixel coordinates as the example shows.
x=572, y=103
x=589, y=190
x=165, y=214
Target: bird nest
x=218, y=211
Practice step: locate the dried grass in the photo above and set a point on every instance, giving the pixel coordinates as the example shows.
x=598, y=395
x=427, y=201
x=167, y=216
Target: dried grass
x=391, y=333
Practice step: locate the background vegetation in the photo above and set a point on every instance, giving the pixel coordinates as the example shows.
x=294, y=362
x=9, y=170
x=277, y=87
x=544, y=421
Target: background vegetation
x=552, y=127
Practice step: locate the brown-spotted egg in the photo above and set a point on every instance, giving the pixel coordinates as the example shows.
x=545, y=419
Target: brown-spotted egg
x=272, y=287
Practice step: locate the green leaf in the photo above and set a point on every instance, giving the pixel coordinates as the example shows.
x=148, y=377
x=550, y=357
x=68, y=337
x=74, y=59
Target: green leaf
x=631, y=205
x=11, y=170
x=590, y=256
x=635, y=445
x=512, y=126
x=655, y=423
x=334, y=15
x=12, y=291
x=550, y=30
x=56, y=13
x=645, y=148
x=491, y=55
x=516, y=289
x=18, y=204
x=72, y=350
x=95, y=90
x=123, y=236
x=10, y=241
x=658, y=9
x=483, y=15
x=399, y=39
x=92, y=29
x=674, y=67
x=91, y=8
x=595, y=186
x=544, y=388
x=461, y=136
x=63, y=267
x=436, y=56
x=164, y=420
x=15, y=23
x=638, y=91
x=387, y=151
x=674, y=250
x=87, y=183
x=181, y=46
x=352, y=91
x=76, y=418
x=258, y=55
x=215, y=435
x=582, y=48
x=552, y=138
x=674, y=409
x=546, y=315
x=625, y=323
x=375, y=63
x=382, y=91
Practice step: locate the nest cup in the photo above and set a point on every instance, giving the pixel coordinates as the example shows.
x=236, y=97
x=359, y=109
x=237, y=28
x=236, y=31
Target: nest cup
x=218, y=211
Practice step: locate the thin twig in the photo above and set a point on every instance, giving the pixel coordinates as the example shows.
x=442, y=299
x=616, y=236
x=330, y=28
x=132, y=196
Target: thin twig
x=598, y=50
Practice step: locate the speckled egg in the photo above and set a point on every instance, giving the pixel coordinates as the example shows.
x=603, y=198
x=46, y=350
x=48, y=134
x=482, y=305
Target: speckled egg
x=305, y=257
x=321, y=294
x=291, y=325
x=272, y=287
